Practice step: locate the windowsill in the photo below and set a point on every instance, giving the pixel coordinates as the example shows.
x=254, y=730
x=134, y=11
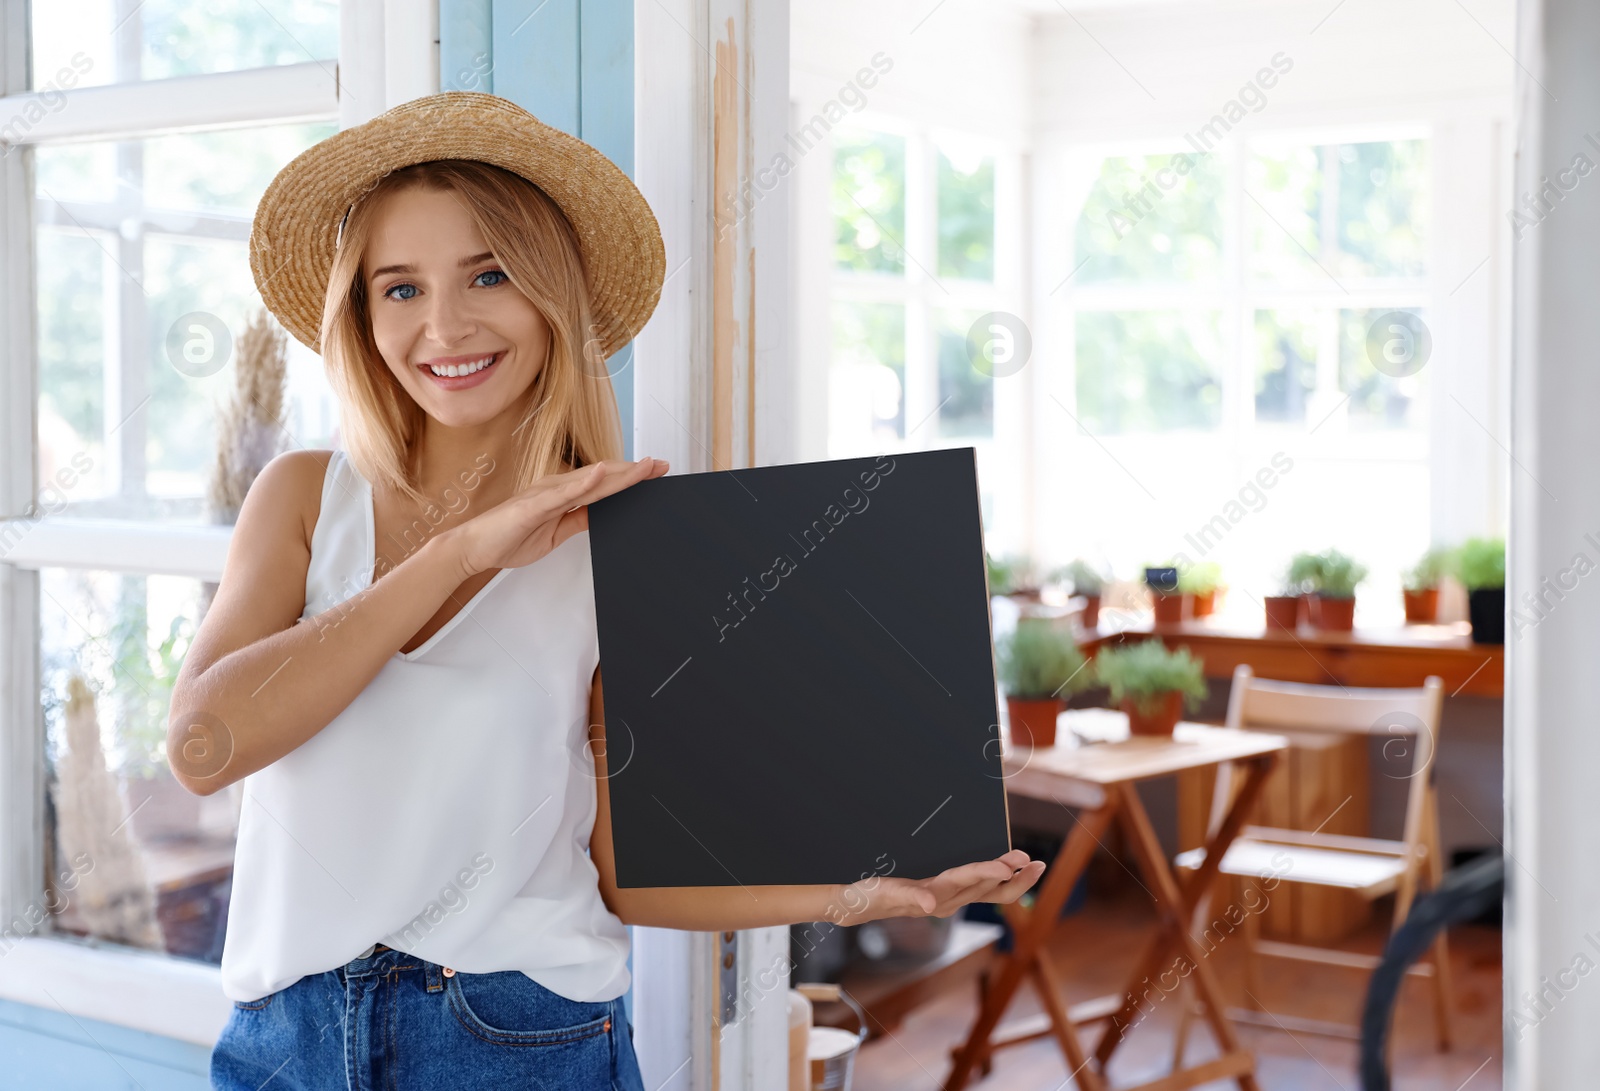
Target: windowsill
x=143, y=990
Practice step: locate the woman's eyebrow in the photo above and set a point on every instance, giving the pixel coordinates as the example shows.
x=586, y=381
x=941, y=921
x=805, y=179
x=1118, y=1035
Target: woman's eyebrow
x=462, y=264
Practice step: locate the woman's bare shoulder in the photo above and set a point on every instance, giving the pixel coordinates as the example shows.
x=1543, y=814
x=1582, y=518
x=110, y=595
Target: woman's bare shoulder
x=289, y=490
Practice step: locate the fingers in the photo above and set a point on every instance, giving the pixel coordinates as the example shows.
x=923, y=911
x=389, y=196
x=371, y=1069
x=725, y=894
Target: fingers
x=614, y=475
x=1004, y=879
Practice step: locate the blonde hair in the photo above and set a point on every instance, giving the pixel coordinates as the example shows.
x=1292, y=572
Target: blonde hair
x=570, y=418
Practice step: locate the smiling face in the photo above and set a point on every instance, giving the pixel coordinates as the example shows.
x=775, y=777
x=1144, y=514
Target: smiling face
x=463, y=341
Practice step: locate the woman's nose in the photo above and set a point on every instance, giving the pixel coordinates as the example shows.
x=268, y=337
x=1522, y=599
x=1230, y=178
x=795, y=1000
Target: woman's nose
x=447, y=321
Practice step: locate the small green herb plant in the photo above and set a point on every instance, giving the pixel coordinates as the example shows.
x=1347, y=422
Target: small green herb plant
x=1083, y=577
x=1014, y=572
x=1338, y=575
x=1200, y=578
x=1301, y=577
x=1331, y=574
x=1038, y=660
x=1146, y=672
x=1480, y=563
x=1430, y=568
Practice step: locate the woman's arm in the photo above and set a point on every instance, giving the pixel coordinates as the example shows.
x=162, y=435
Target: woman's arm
x=727, y=908
x=255, y=685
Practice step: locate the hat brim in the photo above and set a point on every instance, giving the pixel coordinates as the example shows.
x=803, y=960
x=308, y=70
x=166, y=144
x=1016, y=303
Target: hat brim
x=295, y=231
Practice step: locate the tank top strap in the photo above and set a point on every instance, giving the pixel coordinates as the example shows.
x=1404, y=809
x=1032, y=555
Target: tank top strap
x=342, y=554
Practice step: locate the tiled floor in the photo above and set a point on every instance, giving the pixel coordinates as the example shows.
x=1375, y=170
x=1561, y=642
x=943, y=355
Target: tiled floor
x=1094, y=950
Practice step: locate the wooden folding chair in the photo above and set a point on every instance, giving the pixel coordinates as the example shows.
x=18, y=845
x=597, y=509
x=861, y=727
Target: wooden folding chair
x=1370, y=867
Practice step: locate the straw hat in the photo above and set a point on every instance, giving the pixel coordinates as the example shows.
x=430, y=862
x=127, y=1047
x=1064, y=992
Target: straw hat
x=298, y=222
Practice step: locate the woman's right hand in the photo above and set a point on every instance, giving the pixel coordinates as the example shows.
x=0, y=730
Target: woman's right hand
x=529, y=525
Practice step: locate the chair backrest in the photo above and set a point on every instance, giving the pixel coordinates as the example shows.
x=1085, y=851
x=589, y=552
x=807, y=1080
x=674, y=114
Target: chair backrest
x=1402, y=715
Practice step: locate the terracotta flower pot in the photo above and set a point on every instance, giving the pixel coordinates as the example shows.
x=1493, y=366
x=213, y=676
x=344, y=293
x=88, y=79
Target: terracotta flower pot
x=1422, y=606
x=1033, y=720
x=1336, y=614
x=1283, y=612
x=1172, y=608
x=1204, y=603
x=1161, y=721
x=1091, y=612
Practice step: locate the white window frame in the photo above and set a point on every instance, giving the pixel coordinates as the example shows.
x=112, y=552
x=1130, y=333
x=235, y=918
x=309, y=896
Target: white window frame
x=1237, y=297
x=388, y=55
x=923, y=292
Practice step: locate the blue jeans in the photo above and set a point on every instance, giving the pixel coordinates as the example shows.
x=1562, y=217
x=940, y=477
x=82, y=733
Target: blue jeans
x=396, y=1022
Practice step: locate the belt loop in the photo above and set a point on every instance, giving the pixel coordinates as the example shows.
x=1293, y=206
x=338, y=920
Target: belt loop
x=435, y=976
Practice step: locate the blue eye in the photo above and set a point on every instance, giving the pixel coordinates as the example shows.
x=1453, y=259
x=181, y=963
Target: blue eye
x=485, y=273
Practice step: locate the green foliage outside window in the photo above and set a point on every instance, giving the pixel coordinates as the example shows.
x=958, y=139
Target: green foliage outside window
x=1145, y=371
x=869, y=201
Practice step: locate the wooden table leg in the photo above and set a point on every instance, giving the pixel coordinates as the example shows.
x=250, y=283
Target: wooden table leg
x=1069, y=864
x=1175, y=926
x=1050, y=992
x=1199, y=881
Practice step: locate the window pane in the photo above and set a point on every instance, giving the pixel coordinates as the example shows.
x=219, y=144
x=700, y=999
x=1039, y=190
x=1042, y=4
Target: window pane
x=115, y=278
x=866, y=386
x=132, y=857
x=1149, y=371
x=869, y=200
x=1384, y=208
x=1383, y=356
x=1322, y=214
x=1286, y=364
x=78, y=43
x=966, y=215
x=1152, y=218
x=966, y=390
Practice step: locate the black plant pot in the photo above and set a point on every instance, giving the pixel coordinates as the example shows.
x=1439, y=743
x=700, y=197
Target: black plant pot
x=1487, y=608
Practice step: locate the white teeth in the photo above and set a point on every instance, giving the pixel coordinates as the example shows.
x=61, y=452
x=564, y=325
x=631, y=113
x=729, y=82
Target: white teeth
x=452, y=370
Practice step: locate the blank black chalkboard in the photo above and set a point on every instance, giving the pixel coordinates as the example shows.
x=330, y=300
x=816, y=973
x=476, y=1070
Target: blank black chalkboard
x=798, y=673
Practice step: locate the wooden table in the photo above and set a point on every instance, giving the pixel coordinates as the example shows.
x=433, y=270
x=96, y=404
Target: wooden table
x=1099, y=778
x=1402, y=655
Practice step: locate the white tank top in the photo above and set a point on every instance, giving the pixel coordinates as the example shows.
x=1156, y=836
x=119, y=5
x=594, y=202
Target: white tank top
x=447, y=811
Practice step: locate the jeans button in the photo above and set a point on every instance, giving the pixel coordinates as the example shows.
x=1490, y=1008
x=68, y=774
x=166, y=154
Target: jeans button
x=448, y=972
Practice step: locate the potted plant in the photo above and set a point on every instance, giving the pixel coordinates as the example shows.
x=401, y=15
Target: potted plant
x=1086, y=580
x=1151, y=684
x=1420, y=585
x=1335, y=590
x=1200, y=581
x=1014, y=575
x=1304, y=571
x=1480, y=565
x=1170, y=602
x=1284, y=608
x=1040, y=666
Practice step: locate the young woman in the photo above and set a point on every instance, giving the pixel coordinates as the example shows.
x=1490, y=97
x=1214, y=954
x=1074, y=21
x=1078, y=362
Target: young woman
x=401, y=662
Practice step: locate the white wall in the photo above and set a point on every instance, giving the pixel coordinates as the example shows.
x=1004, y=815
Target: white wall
x=1146, y=69
x=1553, y=692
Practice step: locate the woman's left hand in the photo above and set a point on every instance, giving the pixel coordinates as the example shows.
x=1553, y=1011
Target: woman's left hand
x=1004, y=879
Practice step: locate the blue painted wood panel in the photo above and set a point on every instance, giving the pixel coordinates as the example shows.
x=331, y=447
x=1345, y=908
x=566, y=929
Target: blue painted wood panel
x=466, y=46
x=570, y=64
x=42, y=1048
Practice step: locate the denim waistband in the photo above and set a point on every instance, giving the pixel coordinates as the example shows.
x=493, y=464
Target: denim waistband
x=383, y=961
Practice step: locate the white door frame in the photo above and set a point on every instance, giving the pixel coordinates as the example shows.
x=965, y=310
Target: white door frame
x=714, y=389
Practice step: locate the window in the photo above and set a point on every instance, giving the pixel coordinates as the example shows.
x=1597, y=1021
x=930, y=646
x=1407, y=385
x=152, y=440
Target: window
x=143, y=287
x=1266, y=298
x=924, y=298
